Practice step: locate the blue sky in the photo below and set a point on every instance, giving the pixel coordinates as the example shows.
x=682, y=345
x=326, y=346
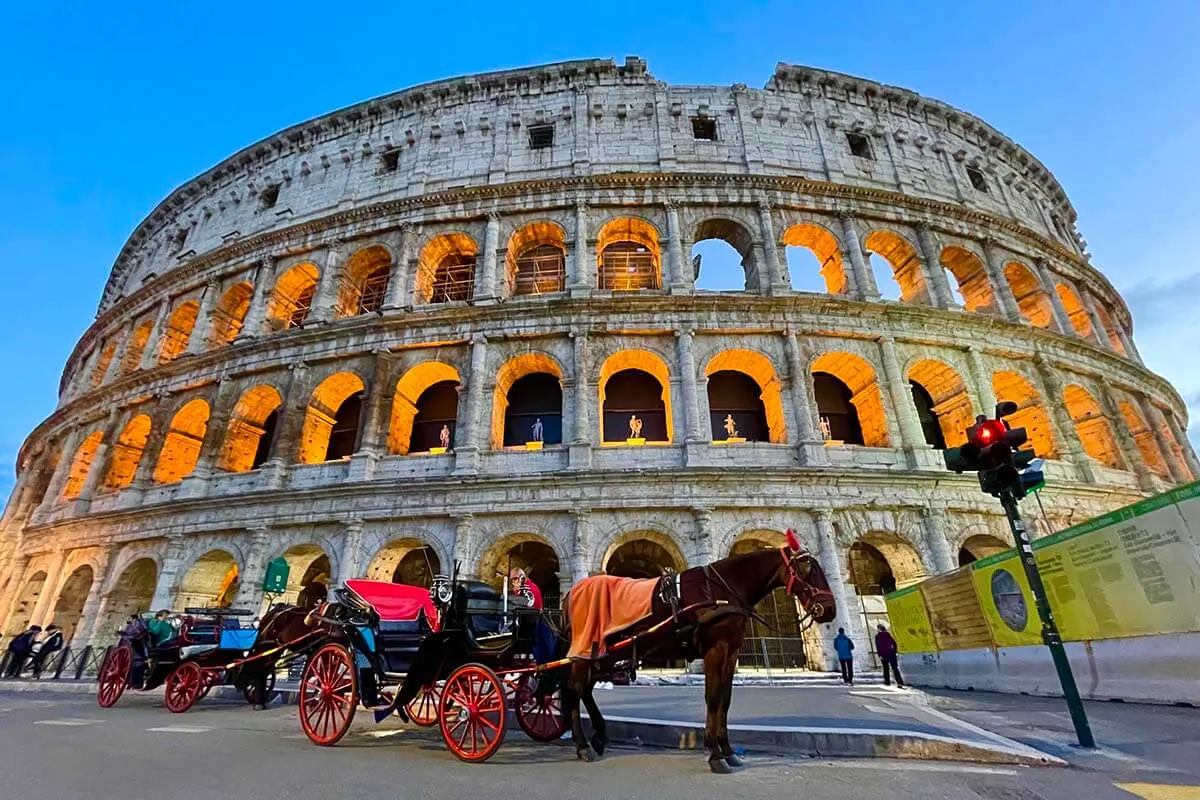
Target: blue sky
x=109, y=106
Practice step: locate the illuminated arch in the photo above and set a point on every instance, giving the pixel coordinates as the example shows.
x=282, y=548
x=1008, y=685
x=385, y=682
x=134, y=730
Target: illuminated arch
x=1143, y=436
x=902, y=257
x=629, y=257
x=1080, y=321
x=881, y=562
x=135, y=348
x=406, y=560
x=81, y=464
x=537, y=258
x=613, y=419
x=1110, y=330
x=310, y=571
x=331, y=421
x=528, y=551
x=446, y=269
x=827, y=250
x=738, y=237
x=68, y=607
x=207, y=580
x=409, y=390
x=950, y=404
x=181, y=448
x=1031, y=413
x=292, y=298
x=364, y=282
x=981, y=545
x=516, y=369
x=861, y=386
x=131, y=593
x=127, y=452
x=102, y=363
x=971, y=277
x=1092, y=426
x=178, y=331
x=643, y=554
x=25, y=604
x=229, y=315
x=252, y=428
x=760, y=370
x=1032, y=300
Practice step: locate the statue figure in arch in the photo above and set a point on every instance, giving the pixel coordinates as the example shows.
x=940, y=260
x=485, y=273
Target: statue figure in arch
x=537, y=429
x=444, y=436
x=635, y=427
x=730, y=427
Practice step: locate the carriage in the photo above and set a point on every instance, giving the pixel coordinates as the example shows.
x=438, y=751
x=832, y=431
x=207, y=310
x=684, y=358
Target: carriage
x=210, y=649
x=458, y=655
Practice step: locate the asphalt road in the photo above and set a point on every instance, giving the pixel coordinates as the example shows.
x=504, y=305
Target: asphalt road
x=66, y=748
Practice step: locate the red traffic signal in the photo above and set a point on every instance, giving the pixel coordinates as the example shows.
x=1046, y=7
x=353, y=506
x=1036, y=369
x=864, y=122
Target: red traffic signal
x=988, y=432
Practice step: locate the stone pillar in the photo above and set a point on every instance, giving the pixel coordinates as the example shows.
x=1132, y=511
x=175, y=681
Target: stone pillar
x=1053, y=400
x=16, y=582
x=150, y=354
x=702, y=545
x=285, y=447
x=775, y=280
x=939, y=285
x=982, y=378
x=256, y=314
x=43, y=609
x=113, y=371
x=462, y=548
x=1131, y=351
x=1006, y=303
x=580, y=454
x=583, y=270
x=678, y=281
x=933, y=520
x=216, y=430
x=802, y=403
x=1185, y=447
x=912, y=437
x=164, y=591
x=1171, y=454
x=1099, y=332
x=374, y=429
x=485, y=288
x=198, y=341
x=864, y=277
x=1048, y=280
x=687, y=369
x=1130, y=453
x=399, y=293
x=467, y=443
x=249, y=594
x=63, y=471
x=849, y=609
x=93, y=606
x=352, y=541
x=325, y=298
x=582, y=560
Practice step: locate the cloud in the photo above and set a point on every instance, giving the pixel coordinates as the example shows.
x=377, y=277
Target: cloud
x=1155, y=303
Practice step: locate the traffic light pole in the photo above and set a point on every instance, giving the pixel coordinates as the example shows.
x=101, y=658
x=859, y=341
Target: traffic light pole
x=1050, y=635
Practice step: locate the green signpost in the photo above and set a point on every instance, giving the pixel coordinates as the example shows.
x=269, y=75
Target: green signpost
x=276, y=576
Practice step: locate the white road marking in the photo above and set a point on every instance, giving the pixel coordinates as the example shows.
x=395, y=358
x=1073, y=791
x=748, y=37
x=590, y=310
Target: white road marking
x=67, y=723
x=912, y=766
x=179, y=729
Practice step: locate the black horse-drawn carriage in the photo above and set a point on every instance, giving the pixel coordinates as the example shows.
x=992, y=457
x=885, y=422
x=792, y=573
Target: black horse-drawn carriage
x=457, y=655
x=209, y=649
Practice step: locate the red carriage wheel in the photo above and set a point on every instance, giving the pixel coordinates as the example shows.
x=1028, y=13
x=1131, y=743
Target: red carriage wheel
x=423, y=709
x=542, y=719
x=185, y=685
x=251, y=691
x=328, y=694
x=473, y=712
x=114, y=676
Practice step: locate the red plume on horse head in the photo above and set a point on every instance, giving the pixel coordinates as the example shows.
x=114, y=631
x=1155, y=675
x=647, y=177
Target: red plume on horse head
x=793, y=541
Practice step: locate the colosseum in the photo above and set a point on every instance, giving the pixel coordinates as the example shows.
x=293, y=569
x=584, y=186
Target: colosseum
x=465, y=323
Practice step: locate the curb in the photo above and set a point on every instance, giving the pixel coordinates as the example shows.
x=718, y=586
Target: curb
x=284, y=696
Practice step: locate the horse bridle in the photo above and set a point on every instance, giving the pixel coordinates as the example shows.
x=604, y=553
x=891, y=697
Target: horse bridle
x=799, y=566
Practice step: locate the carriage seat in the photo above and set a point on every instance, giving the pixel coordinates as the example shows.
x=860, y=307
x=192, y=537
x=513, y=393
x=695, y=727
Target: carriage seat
x=483, y=611
x=406, y=616
x=195, y=650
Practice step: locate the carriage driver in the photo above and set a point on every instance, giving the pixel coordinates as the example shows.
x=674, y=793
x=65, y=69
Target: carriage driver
x=519, y=585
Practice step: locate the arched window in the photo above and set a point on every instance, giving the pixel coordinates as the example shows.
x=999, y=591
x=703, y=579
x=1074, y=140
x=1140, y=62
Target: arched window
x=1080, y=321
x=736, y=408
x=437, y=408
x=537, y=259
x=971, y=277
x=230, y=314
x=181, y=448
x=723, y=258
x=930, y=426
x=822, y=246
x=81, y=464
x=446, y=269
x=343, y=435
x=106, y=357
x=839, y=417
x=941, y=401
x=1030, y=415
x=1092, y=427
x=903, y=265
x=127, y=452
x=1031, y=298
x=630, y=396
x=331, y=422
x=251, y=430
x=178, y=332
x=364, y=282
x=293, y=296
x=534, y=408
x=629, y=258
x=131, y=359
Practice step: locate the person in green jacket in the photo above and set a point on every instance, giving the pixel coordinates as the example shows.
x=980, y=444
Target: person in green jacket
x=161, y=629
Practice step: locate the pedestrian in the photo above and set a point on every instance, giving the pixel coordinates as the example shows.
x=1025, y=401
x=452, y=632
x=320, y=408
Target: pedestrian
x=845, y=654
x=51, y=644
x=885, y=645
x=19, y=650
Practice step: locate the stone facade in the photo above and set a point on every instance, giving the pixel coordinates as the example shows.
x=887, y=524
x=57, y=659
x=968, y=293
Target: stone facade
x=272, y=337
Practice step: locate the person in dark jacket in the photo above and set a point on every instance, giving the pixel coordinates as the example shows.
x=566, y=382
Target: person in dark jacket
x=19, y=649
x=885, y=646
x=50, y=645
x=845, y=654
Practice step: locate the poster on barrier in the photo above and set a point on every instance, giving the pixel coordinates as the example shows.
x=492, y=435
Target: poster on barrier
x=1188, y=500
x=910, y=621
x=1128, y=573
x=1006, y=600
x=954, y=613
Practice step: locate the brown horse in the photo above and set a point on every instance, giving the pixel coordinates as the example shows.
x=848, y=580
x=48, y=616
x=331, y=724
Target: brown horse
x=723, y=595
x=284, y=630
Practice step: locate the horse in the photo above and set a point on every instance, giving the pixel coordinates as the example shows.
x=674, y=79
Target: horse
x=723, y=595
x=283, y=627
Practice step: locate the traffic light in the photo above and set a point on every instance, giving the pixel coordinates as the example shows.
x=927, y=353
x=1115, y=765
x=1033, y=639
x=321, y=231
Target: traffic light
x=992, y=450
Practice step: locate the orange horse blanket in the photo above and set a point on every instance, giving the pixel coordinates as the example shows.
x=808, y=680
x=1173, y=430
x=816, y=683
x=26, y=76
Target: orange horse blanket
x=601, y=604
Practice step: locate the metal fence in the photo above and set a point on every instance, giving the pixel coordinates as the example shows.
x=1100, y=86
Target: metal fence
x=65, y=664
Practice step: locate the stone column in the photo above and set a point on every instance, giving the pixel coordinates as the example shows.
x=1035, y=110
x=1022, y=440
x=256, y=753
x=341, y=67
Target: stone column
x=43, y=609
x=63, y=471
x=216, y=430
x=374, y=433
x=113, y=371
x=325, y=298
x=285, y=447
x=1171, y=454
x=849, y=609
x=1098, y=330
x=249, y=594
x=581, y=563
x=912, y=437
x=467, y=443
x=352, y=541
x=678, y=282
x=462, y=548
x=702, y=545
x=198, y=341
x=982, y=379
x=583, y=271
x=256, y=314
x=150, y=354
x=1130, y=453
x=160, y=426
x=1053, y=400
x=16, y=581
x=933, y=520
x=1048, y=280
x=775, y=280
x=864, y=278
x=399, y=293
x=164, y=591
x=1006, y=303
x=93, y=606
x=485, y=288
x=939, y=285
x=1185, y=447
x=580, y=453
x=687, y=369
x=802, y=404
